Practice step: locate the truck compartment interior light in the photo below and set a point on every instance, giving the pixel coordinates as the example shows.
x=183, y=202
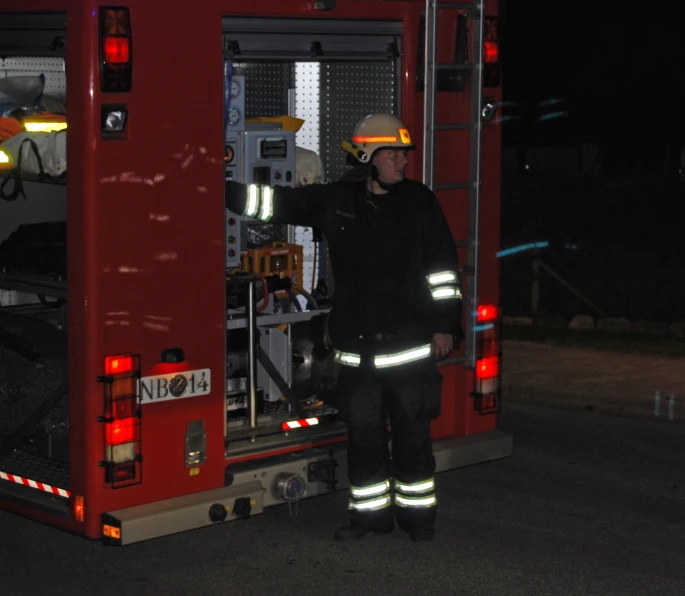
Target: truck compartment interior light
x=44, y=126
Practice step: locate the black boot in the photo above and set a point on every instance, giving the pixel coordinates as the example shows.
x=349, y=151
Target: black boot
x=354, y=530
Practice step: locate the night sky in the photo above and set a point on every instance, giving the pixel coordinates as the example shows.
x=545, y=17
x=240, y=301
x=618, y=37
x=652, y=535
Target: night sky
x=617, y=70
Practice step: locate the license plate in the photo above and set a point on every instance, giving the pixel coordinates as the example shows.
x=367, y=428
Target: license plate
x=189, y=383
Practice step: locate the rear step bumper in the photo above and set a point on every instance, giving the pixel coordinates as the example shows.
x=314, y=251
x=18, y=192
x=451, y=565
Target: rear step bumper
x=189, y=512
x=253, y=486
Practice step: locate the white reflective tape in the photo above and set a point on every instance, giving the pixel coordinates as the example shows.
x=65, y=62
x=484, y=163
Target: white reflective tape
x=446, y=292
x=293, y=424
x=252, y=201
x=369, y=491
x=417, y=487
x=32, y=483
x=347, y=358
x=442, y=277
x=267, y=203
x=402, y=357
x=371, y=505
x=312, y=421
x=416, y=501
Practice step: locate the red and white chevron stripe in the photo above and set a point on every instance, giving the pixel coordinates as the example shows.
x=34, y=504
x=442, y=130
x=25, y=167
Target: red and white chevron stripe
x=60, y=492
x=292, y=424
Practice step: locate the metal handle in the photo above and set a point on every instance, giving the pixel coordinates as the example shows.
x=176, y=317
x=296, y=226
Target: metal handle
x=252, y=352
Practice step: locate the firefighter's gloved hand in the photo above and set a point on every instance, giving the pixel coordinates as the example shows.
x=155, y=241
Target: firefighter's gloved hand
x=442, y=345
x=236, y=196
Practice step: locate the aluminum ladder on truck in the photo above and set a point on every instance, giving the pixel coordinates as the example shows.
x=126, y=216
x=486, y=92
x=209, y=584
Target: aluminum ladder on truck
x=474, y=65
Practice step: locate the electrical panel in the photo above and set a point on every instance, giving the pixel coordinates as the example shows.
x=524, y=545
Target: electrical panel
x=260, y=154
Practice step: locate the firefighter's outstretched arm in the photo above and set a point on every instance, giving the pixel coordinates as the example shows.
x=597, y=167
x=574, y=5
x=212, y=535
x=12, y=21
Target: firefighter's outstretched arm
x=440, y=261
x=304, y=206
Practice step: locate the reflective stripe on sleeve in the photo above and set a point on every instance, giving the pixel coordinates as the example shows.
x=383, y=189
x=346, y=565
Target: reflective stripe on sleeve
x=252, y=206
x=260, y=202
x=387, y=360
x=347, y=358
x=443, y=277
x=267, y=203
x=446, y=292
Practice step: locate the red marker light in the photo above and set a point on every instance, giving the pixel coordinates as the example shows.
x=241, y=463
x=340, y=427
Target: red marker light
x=115, y=365
x=79, y=509
x=487, y=312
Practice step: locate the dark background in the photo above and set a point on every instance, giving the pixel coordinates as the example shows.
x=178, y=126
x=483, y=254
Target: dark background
x=593, y=134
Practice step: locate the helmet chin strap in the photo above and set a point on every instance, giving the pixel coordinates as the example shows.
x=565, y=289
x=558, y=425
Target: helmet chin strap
x=377, y=180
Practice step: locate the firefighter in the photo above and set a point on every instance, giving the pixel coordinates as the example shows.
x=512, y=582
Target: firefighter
x=396, y=313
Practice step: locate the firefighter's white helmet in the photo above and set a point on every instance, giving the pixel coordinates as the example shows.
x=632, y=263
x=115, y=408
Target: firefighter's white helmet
x=376, y=132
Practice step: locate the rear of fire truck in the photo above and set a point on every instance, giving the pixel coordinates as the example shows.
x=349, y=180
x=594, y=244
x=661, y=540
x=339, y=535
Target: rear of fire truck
x=165, y=363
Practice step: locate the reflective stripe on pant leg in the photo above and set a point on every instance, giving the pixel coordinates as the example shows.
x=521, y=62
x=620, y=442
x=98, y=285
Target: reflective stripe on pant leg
x=416, y=494
x=413, y=462
x=368, y=461
x=370, y=498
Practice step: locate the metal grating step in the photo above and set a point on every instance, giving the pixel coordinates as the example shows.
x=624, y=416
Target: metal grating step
x=37, y=469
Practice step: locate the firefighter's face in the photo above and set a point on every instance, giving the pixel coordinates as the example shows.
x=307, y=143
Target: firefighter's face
x=391, y=164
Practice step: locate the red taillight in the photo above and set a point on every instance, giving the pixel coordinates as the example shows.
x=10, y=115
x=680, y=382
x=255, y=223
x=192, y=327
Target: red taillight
x=122, y=413
x=121, y=474
x=123, y=431
x=491, y=67
x=116, y=21
x=487, y=368
x=491, y=52
x=487, y=313
x=115, y=365
x=117, y=50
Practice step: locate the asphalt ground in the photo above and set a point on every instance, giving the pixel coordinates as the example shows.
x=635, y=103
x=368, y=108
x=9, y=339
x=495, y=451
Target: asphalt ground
x=592, y=502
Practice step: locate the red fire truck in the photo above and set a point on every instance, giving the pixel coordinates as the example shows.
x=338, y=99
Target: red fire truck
x=162, y=360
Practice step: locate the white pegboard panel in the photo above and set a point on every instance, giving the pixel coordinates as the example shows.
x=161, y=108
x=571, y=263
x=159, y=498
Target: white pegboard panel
x=266, y=87
x=53, y=69
x=307, y=97
x=307, y=94
x=304, y=237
